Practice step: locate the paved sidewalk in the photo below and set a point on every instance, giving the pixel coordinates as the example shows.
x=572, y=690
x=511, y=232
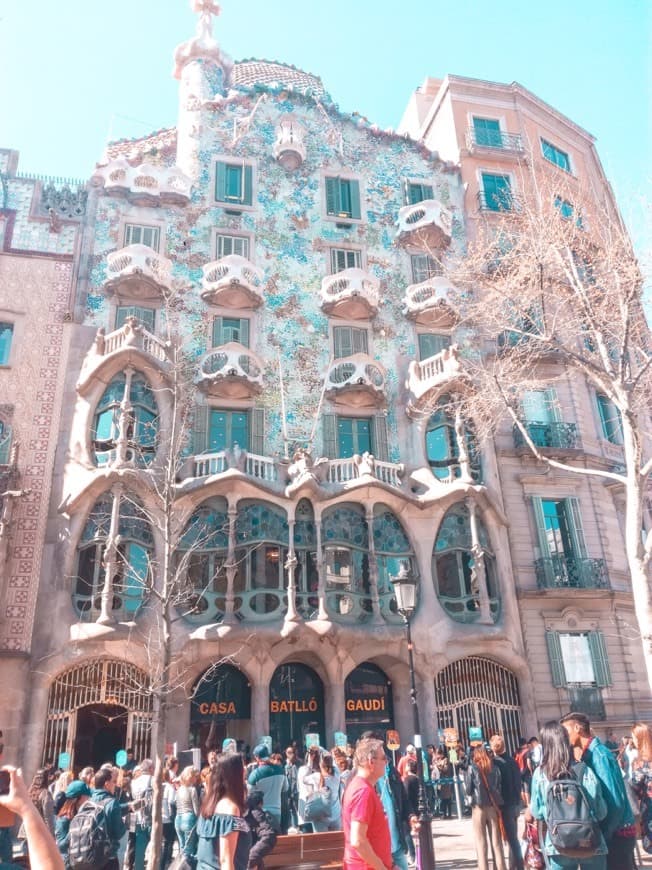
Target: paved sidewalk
x=455, y=846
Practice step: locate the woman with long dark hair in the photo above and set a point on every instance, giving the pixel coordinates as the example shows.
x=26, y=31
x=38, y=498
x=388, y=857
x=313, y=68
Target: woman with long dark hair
x=224, y=836
x=483, y=787
x=557, y=763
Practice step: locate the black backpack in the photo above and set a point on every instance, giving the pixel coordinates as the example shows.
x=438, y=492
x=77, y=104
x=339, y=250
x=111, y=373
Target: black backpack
x=573, y=829
x=89, y=846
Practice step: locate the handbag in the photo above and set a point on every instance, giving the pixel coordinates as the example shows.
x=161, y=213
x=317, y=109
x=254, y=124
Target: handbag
x=318, y=805
x=533, y=857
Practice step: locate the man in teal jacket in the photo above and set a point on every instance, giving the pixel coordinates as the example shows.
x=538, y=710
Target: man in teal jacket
x=618, y=825
x=103, y=793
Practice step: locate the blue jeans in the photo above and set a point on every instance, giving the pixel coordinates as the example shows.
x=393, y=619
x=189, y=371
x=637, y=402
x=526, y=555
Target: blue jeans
x=399, y=858
x=558, y=862
x=6, y=845
x=186, y=827
x=142, y=839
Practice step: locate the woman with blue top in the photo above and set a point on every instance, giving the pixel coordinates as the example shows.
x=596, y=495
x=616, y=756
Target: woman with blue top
x=224, y=836
x=557, y=763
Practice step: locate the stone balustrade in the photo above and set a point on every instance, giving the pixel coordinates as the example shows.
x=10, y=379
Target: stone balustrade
x=341, y=471
x=233, y=280
x=353, y=285
x=129, y=338
x=432, y=373
x=251, y=464
x=429, y=217
x=145, y=183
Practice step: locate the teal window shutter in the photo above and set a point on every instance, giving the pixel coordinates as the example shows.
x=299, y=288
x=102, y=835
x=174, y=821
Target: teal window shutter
x=537, y=508
x=244, y=331
x=258, y=431
x=218, y=431
x=556, y=660
x=200, y=429
x=574, y=519
x=418, y=192
x=354, y=191
x=487, y=132
x=217, y=332
x=345, y=438
x=601, y=669
x=248, y=185
x=380, y=441
x=239, y=429
x=332, y=196
x=362, y=442
x=329, y=435
x=220, y=181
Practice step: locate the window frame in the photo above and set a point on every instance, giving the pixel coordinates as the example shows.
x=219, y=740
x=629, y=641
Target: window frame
x=119, y=307
x=229, y=429
x=611, y=429
x=599, y=653
x=229, y=315
x=413, y=182
x=499, y=121
x=493, y=173
x=415, y=279
x=357, y=252
x=7, y=362
x=340, y=176
x=138, y=225
x=546, y=143
x=352, y=325
x=226, y=233
x=236, y=205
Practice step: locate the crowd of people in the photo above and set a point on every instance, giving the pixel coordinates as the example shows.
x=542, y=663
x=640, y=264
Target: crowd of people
x=581, y=803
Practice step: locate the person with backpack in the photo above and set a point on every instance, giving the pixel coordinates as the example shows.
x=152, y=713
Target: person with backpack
x=567, y=795
x=95, y=831
x=142, y=791
x=618, y=825
x=76, y=794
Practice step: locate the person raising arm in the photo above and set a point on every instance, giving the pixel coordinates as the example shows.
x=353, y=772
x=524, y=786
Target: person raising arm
x=43, y=851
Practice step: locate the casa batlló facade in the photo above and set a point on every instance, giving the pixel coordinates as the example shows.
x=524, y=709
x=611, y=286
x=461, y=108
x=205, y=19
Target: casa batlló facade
x=287, y=248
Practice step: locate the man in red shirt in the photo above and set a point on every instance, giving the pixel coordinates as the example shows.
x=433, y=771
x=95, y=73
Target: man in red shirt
x=367, y=841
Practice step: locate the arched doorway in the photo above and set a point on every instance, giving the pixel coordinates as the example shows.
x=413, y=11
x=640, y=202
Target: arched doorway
x=296, y=705
x=368, y=701
x=478, y=691
x=220, y=708
x=93, y=707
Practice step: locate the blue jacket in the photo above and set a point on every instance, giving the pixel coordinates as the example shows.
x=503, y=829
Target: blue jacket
x=270, y=779
x=606, y=769
x=115, y=827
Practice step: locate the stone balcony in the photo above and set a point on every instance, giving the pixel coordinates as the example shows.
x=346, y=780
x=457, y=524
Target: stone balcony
x=289, y=147
x=356, y=380
x=426, y=224
x=429, y=377
x=138, y=273
x=231, y=371
x=430, y=302
x=351, y=293
x=145, y=184
x=343, y=471
x=132, y=341
x=233, y=282
x=251, y=464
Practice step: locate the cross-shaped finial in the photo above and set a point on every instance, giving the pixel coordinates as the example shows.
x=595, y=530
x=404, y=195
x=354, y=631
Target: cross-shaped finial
x=206, y=10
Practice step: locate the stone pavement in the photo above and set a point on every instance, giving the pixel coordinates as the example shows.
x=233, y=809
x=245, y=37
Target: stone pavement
x=455, y=847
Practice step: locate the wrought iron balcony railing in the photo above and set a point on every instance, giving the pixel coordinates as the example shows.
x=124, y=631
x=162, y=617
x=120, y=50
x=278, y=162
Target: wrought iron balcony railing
x=587, y=700
x=500, y=201
x=493, y=139
x=553, y=436
x=568, y=572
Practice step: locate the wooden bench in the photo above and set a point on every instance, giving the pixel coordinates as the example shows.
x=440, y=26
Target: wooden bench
x=308, y=852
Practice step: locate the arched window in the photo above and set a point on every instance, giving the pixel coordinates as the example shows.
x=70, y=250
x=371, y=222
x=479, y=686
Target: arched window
x=139, y=418
x=455, y=573
x=442, y=448
x=346, y=561
x=132, y=560
x=5, y=443
x=261, y=537
x=305, y=550
x=201, y=559
x=392, y=548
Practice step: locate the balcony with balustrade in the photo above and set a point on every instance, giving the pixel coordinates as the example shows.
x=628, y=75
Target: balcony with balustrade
x=343, y=472
x=554, y=438
x=351, y=293
x=427, y=224
x=568, y=572
x=132, y=343
x=431, y=302
x=262, y=468
x=231, y=371
x=357, y=381
x=496, y=143
x=429, y=377
x=138, y=273
x=233, y=282
x=145, y=184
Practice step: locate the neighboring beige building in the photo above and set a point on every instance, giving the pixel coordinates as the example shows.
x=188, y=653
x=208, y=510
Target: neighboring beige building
x=295, y=241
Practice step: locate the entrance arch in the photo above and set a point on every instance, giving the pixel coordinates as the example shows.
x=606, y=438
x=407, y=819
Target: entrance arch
x=368, y=701
x=296, y=705
x=95, y=705
x=479, y=691
x=220, y=707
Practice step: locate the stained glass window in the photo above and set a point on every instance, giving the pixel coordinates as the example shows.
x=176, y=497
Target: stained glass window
x=141, y=421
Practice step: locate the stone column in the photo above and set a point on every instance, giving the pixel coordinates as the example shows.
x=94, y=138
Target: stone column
x=335, y=718
x=110, y=561
x=125, y=420
x=231, y=567
x=259, y=709
x=478, y=572
x=321, y=570
x=373, y=565
x=291, y=563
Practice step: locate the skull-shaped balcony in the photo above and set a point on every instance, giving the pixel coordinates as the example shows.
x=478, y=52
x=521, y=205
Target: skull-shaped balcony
x=289, y=147
x=357, y=380
x=426, y=224
x=431, y=302
x=231, y=371
x=233, y=282
x=138, y=273
x=428, y=378
x=351, y=293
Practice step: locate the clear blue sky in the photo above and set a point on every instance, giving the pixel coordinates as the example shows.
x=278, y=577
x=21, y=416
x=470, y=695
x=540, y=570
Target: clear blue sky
x=76, y=71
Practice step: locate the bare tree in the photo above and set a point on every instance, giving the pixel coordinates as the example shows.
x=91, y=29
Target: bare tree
x=551, y=282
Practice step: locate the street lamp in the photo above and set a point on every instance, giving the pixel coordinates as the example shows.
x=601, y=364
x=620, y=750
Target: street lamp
x=405, y=589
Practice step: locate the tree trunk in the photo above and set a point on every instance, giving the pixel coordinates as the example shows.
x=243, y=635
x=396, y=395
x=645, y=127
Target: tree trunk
x=161, y=700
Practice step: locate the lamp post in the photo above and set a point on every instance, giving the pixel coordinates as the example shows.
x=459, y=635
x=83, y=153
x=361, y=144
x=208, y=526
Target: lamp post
x=405, y=589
